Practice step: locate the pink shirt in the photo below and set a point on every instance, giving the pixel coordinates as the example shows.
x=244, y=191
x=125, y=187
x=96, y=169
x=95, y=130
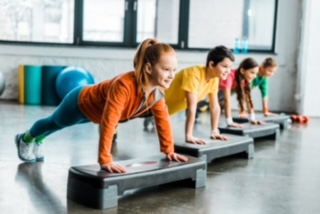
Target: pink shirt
x=230, y=82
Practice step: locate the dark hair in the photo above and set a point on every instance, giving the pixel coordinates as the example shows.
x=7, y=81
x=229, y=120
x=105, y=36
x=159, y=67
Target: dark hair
x=149, y=51
x=218, y=54
x=244, y=90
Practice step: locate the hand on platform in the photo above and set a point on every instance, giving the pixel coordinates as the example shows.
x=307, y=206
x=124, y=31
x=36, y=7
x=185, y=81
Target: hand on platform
x=195, y=140
x=235, y=125
x=177, y=157
x=218, y=137
x=257, y=122
x=113, y=168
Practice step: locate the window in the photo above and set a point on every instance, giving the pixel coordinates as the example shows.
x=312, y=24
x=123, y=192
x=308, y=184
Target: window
x=103, y=20
x=159, y=19
x=37, y=21
x=260, y=23
x=185, y=24
x=222, y=22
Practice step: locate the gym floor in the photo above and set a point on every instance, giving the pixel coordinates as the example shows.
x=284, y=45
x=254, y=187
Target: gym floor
x=283, y=177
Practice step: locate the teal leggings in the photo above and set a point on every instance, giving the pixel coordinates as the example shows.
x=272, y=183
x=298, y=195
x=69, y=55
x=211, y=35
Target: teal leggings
x=66, y=114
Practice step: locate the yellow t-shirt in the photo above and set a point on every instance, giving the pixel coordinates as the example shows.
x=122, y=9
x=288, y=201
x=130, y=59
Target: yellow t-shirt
x=193, y=80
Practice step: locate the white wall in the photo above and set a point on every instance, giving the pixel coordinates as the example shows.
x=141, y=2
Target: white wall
x=107, y=62
x=309, y=63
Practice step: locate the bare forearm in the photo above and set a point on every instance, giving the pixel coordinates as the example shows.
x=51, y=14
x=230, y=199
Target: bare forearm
x=215, y=115
x=227, y=101
x=227, y=110
x=265, y=104
x=190, y=122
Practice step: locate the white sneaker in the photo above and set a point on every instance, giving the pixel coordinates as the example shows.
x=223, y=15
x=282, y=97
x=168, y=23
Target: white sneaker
x=24, y=149
x=148, y=123
x=38, y=151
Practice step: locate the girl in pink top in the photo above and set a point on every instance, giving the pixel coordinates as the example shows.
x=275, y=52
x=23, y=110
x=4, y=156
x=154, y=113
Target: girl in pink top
x=239, y=82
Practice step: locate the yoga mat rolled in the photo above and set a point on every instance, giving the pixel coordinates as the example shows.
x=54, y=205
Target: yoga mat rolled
x=21, y=84
x=49, y=94
x=32, y=84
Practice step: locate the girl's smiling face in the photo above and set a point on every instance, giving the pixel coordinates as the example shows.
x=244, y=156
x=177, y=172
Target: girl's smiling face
x=163, y=72
x=250, y=74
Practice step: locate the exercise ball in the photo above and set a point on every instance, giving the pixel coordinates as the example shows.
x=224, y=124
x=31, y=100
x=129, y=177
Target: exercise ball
x=70, y=78
x=2, y=84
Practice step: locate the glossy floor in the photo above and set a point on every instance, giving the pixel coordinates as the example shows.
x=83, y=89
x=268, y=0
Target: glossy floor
x=283, y=177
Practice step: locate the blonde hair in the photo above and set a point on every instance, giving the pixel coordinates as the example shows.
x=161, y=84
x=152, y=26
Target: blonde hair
x=269, y=62
x=149, y=51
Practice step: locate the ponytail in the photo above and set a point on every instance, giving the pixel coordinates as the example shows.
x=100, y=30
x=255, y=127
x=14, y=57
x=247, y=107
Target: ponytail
x=239, y=90
x=244, y=90
x=149, y=51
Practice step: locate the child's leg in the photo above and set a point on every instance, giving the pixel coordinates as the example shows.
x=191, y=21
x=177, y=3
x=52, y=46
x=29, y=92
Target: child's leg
x=148, y=119
x=67, y=114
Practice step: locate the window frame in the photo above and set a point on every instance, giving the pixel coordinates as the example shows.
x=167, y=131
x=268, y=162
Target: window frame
x=130, y=31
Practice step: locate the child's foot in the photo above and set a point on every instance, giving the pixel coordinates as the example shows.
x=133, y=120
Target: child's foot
x=148, y=123
x=25, y=150
x=38, y=151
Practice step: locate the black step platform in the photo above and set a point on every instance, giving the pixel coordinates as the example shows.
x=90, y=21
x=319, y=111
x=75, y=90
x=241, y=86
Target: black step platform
x=268, y=130
x=217, y=148
x=90, y=186
x=283, y=120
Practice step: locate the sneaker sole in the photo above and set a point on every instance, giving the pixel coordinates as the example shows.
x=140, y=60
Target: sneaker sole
x=39, y=158
x=21, y=158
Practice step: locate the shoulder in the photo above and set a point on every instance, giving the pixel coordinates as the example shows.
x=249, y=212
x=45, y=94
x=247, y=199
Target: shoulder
x=125, y=82
x=194, y=71
x=229, y=81
x=234, y=72
x=265, y=79
x=127, y=78
x=232, y=75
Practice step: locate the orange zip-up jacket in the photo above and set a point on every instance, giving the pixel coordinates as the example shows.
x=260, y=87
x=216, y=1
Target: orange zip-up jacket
x=118, y=100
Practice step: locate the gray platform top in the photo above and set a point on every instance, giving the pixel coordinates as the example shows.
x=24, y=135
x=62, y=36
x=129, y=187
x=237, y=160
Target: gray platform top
x=248, y=127
x=260, y=116
x=215, y=144
x=136, y=166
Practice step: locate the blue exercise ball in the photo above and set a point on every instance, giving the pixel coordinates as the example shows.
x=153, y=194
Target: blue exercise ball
x=2, y=84
x=70, y=78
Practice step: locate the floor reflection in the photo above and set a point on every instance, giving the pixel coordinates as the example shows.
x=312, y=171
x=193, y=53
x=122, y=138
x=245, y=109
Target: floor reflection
x=43, y=198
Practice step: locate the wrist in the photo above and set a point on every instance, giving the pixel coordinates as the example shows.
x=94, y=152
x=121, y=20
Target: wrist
x=252, y=117
x=215, y=132
x=229, y=121
x=188, y=136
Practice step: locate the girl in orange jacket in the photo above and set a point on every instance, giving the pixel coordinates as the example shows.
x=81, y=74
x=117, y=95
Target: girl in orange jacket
x=124, y=97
